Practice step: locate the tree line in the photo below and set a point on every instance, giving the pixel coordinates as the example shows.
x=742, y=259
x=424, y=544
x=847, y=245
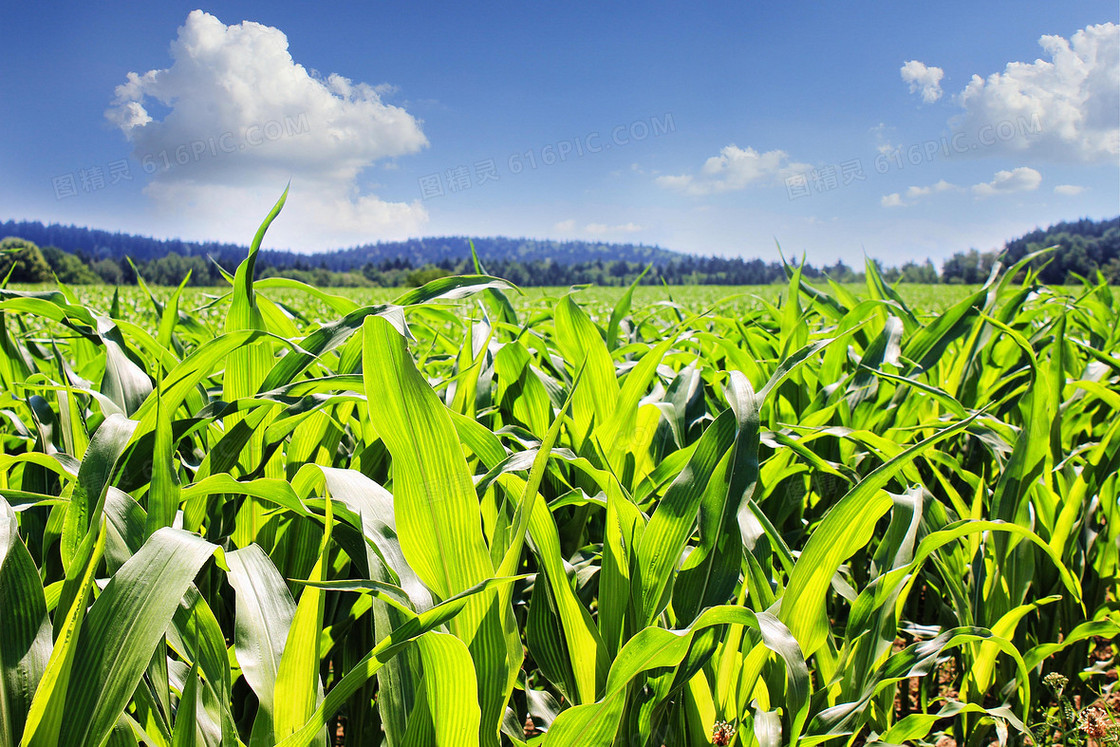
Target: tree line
x=1085, y=247
x=27, y=263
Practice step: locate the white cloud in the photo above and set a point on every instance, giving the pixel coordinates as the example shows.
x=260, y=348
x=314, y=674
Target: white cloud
x=915, y=193
x=735, y=168
x=242, y=117
x=941, y=186
x=882, y=141
x=1022, y=179
x=1070, y=190
x=924, y=79
x=1066, y=108
x=597, y=229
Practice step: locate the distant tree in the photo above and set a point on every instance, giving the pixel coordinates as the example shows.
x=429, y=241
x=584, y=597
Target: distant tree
x=1084, y=247
x=109, y=271
x=840, y=272
x=24, y=260
x=912, y=272
x=1111, y=271
x=426, y=274
x=69, y=268
x=969, y=267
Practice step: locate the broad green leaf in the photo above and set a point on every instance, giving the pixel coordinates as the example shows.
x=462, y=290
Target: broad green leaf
x=384, y=651
x=297, y=677
x=596, y=724
x=25, y=632
x=122, y=629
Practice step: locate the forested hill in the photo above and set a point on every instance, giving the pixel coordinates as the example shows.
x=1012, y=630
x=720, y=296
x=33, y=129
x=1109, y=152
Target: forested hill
x=96, y=244
x=1084, y=247
x=81, y=255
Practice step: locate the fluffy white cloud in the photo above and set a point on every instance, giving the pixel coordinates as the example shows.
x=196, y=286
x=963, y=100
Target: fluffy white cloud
x=894, y=199
x=924, y=79
x=733, y=169
x=1022, y=179
x=1066, y=108
x=1069, y=190
x=236, y=117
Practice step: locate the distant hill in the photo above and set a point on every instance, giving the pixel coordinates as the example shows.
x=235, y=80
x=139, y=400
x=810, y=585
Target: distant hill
x=1084, y=247
x=95, y=244
x=77, y=255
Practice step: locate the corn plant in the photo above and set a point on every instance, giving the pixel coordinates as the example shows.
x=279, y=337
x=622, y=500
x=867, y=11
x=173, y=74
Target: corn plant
x=464, y=518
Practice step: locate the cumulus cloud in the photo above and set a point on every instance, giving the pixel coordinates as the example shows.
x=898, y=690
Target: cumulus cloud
x=924, y=79
x=1069, y=190
x=234, y=117
x=894, y=199
x=733, y=169
x=1065, y=108
x=1022, y=179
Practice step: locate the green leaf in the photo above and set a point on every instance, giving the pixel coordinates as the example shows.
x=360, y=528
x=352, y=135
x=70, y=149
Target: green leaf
x=449, y=685
x=437, y=512
x=846, y=527
x=186, y=733
x=25, y=633
x=122, y=630
x=49, y=707
x=595, y=725
x=297, y=678
x=384, y=651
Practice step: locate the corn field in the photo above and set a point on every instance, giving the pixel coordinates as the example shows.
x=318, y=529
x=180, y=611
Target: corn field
x=461, y=520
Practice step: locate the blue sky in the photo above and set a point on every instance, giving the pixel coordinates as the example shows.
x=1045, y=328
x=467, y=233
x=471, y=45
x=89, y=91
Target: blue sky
x=903, y=131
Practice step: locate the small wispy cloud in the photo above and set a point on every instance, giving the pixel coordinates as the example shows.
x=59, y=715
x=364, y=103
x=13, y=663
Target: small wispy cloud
x=598, y=229
x=915, y=193
x=922, y=78
x=570, y=227
x=733, y=169
x=1022, y=179
x=942, y=186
